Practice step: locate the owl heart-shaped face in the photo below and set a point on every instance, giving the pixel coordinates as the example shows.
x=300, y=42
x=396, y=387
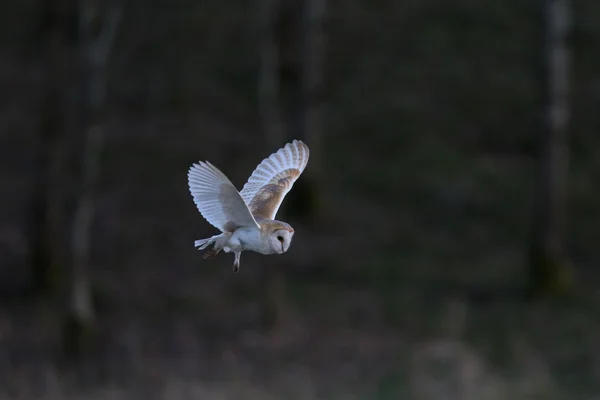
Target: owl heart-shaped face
x=280, y=240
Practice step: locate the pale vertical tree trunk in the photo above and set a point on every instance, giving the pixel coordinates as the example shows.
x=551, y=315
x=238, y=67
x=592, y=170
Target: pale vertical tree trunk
x=94, y=52
x=550, y=267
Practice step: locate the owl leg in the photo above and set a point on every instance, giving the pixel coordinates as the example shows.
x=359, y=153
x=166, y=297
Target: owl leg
x=236, y=262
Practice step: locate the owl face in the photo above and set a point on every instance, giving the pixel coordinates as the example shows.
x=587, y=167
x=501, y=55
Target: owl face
x=280, y=240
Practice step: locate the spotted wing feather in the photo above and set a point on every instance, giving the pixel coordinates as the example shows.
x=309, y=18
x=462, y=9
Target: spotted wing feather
x=217, y=199
x=273, y=179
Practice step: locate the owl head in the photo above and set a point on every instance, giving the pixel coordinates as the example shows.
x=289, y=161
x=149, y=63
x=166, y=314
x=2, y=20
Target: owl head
x=281, y=237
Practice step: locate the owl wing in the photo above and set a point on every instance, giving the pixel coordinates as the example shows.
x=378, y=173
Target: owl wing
x=273, y=179
x=217, y=199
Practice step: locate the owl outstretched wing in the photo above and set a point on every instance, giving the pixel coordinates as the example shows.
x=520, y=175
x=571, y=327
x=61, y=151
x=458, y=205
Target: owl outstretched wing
x=273, y=179
x=217, y=199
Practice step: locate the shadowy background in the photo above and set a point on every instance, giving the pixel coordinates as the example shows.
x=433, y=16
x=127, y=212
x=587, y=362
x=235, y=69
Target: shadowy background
x=435, y=255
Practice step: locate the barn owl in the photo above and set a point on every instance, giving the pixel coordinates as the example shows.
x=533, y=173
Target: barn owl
x=246, y=219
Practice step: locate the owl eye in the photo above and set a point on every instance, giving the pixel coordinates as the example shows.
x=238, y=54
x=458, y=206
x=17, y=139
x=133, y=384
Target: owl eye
x=280, y=238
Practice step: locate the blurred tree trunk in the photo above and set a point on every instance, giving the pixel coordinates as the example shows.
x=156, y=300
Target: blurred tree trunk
x=550, y=268
x=272, y=122
x=48, y=218
x=97, y=30
x=290, y=106
x=310, y=191
x=268, y=89
x=300, y=41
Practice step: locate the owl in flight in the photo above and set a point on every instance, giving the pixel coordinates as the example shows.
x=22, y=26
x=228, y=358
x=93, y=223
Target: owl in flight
x=247, y=218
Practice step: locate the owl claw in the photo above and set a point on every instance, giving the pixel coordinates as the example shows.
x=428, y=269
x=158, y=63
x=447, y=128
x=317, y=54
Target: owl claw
x=210, y=253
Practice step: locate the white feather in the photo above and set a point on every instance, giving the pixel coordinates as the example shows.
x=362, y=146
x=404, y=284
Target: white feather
x=292, y=156
x=216, y=198
x=202, y=244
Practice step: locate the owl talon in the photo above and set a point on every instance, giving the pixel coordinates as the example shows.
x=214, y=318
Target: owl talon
x=210, y=253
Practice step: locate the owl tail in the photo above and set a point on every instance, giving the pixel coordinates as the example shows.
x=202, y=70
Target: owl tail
x=219, y=241
x=204, y=243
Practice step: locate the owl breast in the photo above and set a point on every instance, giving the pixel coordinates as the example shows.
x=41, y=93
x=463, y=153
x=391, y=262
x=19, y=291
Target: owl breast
x=250, y=239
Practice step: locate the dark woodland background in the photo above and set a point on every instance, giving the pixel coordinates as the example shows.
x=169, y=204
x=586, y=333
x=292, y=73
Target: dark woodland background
x=447, y=225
